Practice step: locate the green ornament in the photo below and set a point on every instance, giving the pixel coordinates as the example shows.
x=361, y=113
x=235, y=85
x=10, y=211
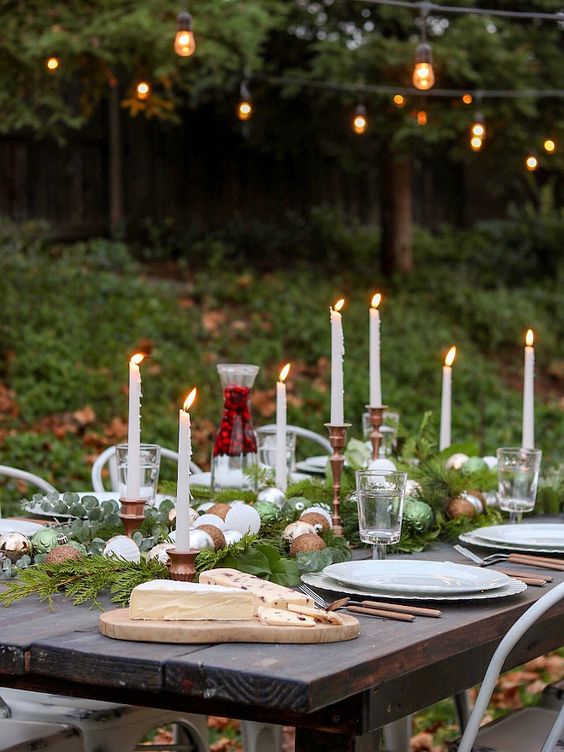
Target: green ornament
x=45, y=540
x=417, y=514
x=474, y=465
x=297, y=504
x=268, y=512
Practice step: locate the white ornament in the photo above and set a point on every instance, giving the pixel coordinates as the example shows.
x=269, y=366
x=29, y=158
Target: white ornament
x=320, y=510
x=455, y=461
x=295, y=529
x=210, y=519
x=160, y=552
x=232, y=536
x=205, y=506
x=381, y=464
x=490, y=461
x=243, y=518
x=122, y=547
x=273, y=495
x=412, y=488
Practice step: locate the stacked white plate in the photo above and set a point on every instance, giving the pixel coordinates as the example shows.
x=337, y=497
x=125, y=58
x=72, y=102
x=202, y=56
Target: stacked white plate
x=414, y=579
x=315, y=465
x=534, y=537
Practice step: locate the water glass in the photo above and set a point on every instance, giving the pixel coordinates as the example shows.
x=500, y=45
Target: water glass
x=267, y=449
x=388, y=429
x=518, y=475
x=149, y=466
x=379, y=497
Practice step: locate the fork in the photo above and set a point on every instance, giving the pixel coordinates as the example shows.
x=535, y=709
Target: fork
x=530, y=560
x=373, y=608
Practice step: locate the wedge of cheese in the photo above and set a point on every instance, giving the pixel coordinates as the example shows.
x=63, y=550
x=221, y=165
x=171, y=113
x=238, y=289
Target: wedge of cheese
x=266, y=593
x=278, y=617
x=189, y=601
x=327, y=617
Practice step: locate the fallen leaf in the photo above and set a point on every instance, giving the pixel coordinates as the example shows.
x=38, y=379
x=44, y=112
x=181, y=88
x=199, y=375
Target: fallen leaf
x=212, y=321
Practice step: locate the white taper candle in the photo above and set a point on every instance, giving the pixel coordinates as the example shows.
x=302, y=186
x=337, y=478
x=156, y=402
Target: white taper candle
x=374, y=357
x=133, y=482
x=528, y=438
x=337, y=355
x=281, y=476
x=183, y=479
x=446, y=401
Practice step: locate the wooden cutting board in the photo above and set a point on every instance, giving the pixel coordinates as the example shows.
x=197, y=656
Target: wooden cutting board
x=119, y=626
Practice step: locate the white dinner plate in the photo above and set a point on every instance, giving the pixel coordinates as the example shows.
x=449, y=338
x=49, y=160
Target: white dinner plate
x=204, y=479
x=415, y=576
x=315, y=464
x=319, y=581
x=19, y=526
x=536, y=534
x=474, y=540
x=32, y=508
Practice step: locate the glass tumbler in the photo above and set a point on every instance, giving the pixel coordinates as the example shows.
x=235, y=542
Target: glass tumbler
x=149, y=471
x=379, y=497
x=518, y=476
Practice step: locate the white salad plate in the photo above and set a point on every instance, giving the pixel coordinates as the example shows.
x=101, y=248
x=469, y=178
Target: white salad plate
x=204, y=479
x=536, y=534
x=474, y=540
x=410, y=576
x=322, y=582
x=19, y=526
x=315, y=464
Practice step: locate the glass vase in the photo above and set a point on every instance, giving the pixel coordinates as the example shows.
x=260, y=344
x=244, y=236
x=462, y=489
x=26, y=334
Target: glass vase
x=235, y=447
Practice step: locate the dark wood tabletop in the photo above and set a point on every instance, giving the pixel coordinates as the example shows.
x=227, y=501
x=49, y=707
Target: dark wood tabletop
x=336, y=694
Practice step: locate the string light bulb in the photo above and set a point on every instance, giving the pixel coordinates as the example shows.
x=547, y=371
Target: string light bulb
x=467, y=98
x=142, y=90
x=478, y=127
x=245, y=106
x=531, y=163
x=422, y=117
x=399, y=100
x=184, y=40
x=360, y=122
x=52, y=63
x=476, y=143
x=549, y=146
x=423, y=74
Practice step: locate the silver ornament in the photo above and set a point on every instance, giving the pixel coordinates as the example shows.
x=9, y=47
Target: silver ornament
x=455, y=461
x=193, y=515
x=492, y=499
x=232, y=536
x=62, y=539
x=273, y=495
x=160, y=552
x=200, y=540
x=205, y=506
x=14, y=546
x=295, y=529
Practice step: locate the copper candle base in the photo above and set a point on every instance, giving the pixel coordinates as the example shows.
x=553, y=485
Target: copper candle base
x=376, y=419
x=182, y=564
x=132, y=514
x=337, y=438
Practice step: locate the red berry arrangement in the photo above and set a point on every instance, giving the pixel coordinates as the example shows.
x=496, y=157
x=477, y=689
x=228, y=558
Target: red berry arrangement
x=236, y=434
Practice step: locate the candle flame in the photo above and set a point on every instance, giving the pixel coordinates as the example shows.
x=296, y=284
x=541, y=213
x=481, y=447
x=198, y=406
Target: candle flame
x=451, y=354
x=376, y=300
x=529, y=338
x=284, y=372
x=137, y=358
x=188, y=402
x=339, y=304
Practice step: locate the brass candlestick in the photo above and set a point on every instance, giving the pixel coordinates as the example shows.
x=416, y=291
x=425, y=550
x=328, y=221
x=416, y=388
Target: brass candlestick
x=182, y=566
x=376, y=419
x=337, y=437
x=132, y=514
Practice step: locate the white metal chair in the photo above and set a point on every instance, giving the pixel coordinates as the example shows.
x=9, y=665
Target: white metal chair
x=108, y=457
x=104, y=726
x=25, y=736
x=527, y=730
x=33, y=480
x=304, y=433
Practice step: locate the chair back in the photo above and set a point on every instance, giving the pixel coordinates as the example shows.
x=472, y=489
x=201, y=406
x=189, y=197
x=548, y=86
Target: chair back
x=504, y=648
x=304, y=433
x=31, y=478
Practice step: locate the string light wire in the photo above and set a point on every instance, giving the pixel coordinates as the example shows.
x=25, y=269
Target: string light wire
x=429, y=7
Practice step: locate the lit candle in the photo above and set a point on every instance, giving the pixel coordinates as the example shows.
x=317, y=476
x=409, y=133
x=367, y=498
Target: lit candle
x=528, y=439
x=446, y=400
x=182, y=543
x=375, y=382
x=281, y=463
x=337, y=354
x=133, y=484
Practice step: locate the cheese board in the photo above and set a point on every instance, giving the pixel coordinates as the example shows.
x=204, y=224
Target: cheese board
x=117, y=625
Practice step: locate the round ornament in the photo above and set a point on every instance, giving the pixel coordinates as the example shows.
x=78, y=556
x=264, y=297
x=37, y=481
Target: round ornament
x=492, y=499
x=219, y=509
x=272, y=495
x=205, y=505
x=215, y=534
x=210, y=519
x=306, y=544
x=490, y=461
x=417, y=514
x=45, y=540
x=243, y=518
x=62, y=553
x=160, y=553
x=382, y=464
x=455, y=461
x=474, y=465
x=296, y=504
x=295, y=529
x=464, y=505
x=412, y=487
x=14, y=546
x=268, y=512
x=122, y=547
x=319, y=521
x=232, y=536
x=193, y=515
x=200, y=540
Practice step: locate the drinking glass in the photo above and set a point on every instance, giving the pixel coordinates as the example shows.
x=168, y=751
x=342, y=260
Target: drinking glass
x=267, y=449
x=149, y=467
x=379, y=497
x=388, y=429
x=518, y=475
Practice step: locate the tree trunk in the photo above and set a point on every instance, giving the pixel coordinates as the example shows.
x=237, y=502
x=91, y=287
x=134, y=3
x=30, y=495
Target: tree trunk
x=396, y=220
x=115, y=159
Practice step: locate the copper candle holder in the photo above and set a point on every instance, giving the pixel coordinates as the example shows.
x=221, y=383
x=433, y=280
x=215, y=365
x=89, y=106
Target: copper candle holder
x=182, y=564
x=337, y=438
x=376, y=420
x=132, y=514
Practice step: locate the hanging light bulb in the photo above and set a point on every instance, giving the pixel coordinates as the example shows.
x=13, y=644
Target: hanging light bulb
x=399, y=100
x=476, y=143
x=531, y=163
x=142, y=90
x=184, y=41
x=478, y=127
x=422, y=117
x=467, y=98
x=423, y=75
x=52, y=63
x=360, y=123
x=549, y=146
x=245, y=106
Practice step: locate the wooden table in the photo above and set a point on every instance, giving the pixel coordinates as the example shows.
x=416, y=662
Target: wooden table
x=337, y=695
